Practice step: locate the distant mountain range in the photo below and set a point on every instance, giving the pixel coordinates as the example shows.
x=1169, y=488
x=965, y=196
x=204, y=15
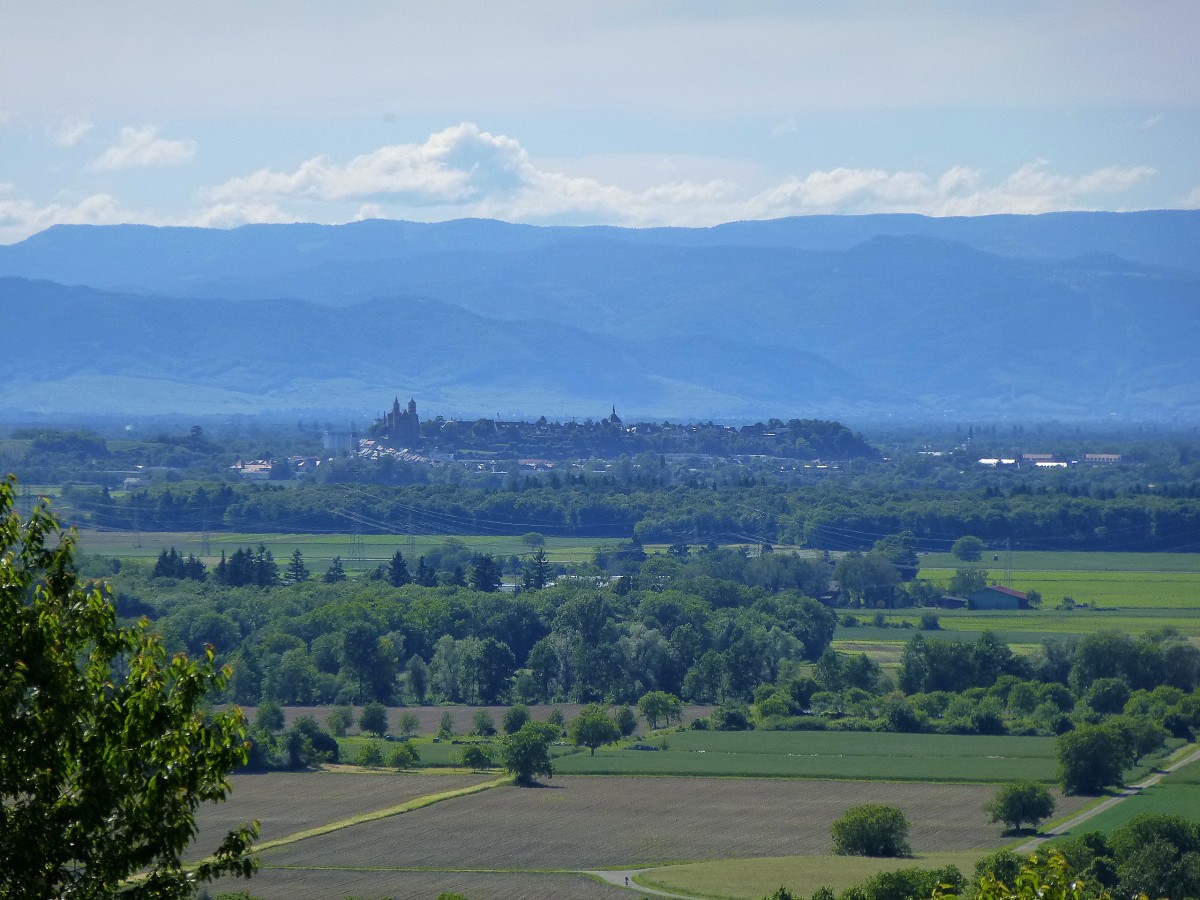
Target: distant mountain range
x=1073, y=315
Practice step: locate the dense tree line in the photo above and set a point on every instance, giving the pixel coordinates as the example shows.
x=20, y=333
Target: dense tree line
x=836, y=515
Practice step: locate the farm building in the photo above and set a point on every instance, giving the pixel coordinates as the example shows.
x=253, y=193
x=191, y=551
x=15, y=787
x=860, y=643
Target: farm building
x=947, y=601
x=997, y=597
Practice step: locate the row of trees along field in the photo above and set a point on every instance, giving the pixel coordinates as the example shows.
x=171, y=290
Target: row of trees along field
x=711, y=625
x=835, y=514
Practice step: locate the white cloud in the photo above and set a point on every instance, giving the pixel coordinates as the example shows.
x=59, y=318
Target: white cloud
x=465, y=171
x=1192, y=200
x=454, y=165
x=960, y=191
x=140, y=147
x=69, y=131
x=20, y=218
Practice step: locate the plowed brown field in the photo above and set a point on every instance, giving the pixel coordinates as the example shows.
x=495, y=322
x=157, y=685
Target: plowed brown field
x=615, y=822
x=287, y=802
x=311, y=884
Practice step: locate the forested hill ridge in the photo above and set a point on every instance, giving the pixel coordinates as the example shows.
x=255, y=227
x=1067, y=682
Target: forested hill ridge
x=1079, y=315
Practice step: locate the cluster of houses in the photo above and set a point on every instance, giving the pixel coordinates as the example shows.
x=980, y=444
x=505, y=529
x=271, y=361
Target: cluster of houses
x=1050, y=460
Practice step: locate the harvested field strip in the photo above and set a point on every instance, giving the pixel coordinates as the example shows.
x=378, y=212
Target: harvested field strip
x=285, y=803
x=320, y=884
x=751, y=879
x=608, y=823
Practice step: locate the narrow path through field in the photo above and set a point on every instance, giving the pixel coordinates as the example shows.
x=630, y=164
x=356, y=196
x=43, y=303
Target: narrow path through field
x=625, y=878
x=1033, y=843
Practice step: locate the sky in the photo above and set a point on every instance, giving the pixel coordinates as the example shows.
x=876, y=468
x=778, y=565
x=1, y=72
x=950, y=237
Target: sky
x=626, y=112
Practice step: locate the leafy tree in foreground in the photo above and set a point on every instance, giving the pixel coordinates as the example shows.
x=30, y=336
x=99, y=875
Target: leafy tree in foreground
x=871, y=830
x=1042, y=878
x=593, y=727
x=105, y=748
x=1021, y=801
x=526, y=754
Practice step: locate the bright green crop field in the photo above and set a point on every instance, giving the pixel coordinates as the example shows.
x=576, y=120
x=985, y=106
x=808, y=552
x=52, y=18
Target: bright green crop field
x=1137, y=589
x=321, y=548
x=1177, y=794
x=821, y=754
x=1070, y=561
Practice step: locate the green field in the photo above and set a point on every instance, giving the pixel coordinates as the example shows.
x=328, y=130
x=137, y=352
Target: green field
x=750, y=879
x=1108, y=588
x=1068, y=561
x=826, y=754
x=358, y=553
x=1177, y=794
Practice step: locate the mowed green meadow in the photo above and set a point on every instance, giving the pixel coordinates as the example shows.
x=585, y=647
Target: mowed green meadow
x=866, y=756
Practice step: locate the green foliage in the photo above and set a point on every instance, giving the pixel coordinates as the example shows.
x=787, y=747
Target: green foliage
x=1021, y=801
x=446, y=726
x=593, y=727
x=404, y=756
x=526, y=753
x=477, y=757
x=1090, y=758
x=340, y=719
x=655, y=705
x=373, y=719
x=482, y=723
x=106, y=750
x=968, y=548
x=1048, y=877
x=336, y=571
x=370, y=755
x=269, y=716
x=906, y=884
x=871, y=829
x=967, y=581
x=409, y=723
x=626, y=720
x=515, y=717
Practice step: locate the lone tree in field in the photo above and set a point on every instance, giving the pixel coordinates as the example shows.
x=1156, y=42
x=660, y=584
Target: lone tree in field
x=593, y=727
x=106, y=748
x=526, y=753
x=1090, y=758
x=871, y=830
x=1021, y=801
x=477, y=757
x=374, y=719
x=657, y=705
x=968, y=548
